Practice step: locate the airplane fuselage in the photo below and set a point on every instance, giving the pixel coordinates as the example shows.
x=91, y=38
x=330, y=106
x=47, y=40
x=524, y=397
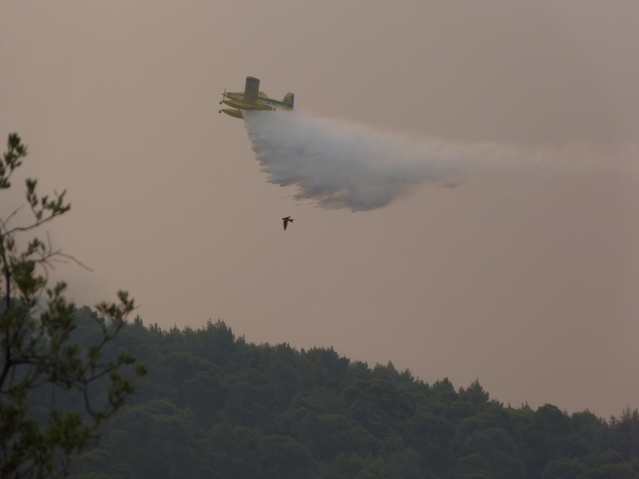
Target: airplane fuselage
x=240, y=105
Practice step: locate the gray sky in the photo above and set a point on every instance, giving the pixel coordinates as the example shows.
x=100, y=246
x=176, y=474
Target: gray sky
x=527, y=282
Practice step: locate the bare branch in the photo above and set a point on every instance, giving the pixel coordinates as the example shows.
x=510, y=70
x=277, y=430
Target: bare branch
x=4, y=223
x=21, y=229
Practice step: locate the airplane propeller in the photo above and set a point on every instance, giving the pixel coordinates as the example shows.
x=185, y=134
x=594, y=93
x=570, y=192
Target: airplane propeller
x=223, y=96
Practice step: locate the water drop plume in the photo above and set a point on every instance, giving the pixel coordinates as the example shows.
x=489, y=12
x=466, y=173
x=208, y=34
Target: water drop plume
x=345, y=165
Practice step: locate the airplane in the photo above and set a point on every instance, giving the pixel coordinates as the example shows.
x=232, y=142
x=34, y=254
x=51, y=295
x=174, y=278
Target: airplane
x=253, y=99
x=286, y=220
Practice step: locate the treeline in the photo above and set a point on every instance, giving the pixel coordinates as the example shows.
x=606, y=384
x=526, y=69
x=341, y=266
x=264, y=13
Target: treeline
x=214, y=406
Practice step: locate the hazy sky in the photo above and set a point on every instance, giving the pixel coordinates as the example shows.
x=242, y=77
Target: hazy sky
x=526, y=276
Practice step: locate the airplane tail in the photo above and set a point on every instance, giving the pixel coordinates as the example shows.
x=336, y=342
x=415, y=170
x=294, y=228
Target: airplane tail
x=251, y=90
x=289, y=99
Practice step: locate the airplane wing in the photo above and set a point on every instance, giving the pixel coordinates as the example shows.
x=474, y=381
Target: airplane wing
x=251, y=91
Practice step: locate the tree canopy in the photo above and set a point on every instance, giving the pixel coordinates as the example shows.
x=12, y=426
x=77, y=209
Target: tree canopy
x=215, y=406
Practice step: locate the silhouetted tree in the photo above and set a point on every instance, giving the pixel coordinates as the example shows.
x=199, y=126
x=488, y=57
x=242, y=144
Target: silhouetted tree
x=36, y=350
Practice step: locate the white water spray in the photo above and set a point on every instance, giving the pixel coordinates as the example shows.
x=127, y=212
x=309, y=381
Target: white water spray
x=344, y=165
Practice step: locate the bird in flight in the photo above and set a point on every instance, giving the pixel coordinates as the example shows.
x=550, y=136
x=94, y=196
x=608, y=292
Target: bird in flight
x=286, y=220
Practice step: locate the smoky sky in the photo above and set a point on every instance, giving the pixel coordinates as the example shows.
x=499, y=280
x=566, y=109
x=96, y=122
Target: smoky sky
x=462, y=177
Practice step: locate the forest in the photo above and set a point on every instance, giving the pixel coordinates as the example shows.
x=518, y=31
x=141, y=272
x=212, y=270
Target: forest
x=214, y=406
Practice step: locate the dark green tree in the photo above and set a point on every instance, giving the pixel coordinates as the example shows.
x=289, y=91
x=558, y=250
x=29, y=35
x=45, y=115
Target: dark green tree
x=501, y=452
x=283, y=457
x=563, y=469
x=35, y=347
x=473, y=466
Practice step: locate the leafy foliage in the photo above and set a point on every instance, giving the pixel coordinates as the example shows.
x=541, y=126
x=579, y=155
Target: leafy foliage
x=38, y=438
x=215, y=406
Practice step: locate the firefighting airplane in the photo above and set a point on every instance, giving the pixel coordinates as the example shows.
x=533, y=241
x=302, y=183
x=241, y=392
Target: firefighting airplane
x=253, y=99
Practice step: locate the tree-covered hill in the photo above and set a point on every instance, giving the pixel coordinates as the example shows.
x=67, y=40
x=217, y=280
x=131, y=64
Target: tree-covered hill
x=214, y=406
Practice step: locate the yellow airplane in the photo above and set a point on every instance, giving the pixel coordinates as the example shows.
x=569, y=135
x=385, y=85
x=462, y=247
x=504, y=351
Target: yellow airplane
x=253, y=99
